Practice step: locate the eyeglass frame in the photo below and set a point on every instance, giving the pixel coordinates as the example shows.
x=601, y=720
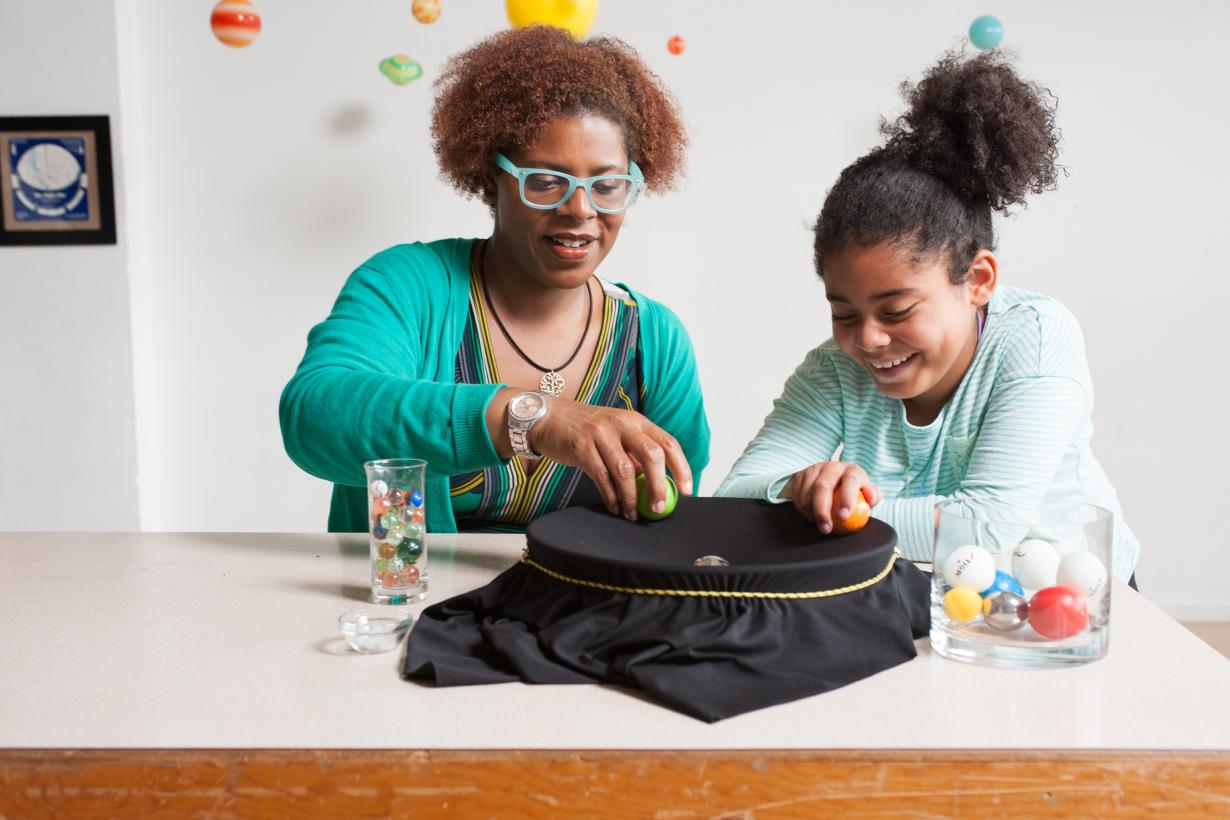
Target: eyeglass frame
x=635, y=177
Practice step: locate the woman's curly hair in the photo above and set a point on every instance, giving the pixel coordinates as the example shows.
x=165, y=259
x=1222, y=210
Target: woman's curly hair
x=503, y=91
x=975, y=138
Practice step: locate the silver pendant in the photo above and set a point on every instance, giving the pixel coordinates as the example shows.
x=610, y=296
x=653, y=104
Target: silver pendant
x=551, y=383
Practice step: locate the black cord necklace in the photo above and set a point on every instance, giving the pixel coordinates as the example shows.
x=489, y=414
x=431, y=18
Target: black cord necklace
x=551, y=383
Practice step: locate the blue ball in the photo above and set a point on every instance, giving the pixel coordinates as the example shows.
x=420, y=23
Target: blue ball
x=1003, y=583
x=986, y=32
x=416, y=498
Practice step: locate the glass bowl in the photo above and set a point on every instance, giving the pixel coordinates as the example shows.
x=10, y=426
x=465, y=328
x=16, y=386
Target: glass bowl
x=375, y=630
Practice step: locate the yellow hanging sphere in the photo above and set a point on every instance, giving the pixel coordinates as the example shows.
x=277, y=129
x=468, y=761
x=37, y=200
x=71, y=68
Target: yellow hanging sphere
x=577, y=16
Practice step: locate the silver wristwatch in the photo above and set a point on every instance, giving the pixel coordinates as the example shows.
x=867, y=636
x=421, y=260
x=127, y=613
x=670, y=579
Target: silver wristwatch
x=524, y=411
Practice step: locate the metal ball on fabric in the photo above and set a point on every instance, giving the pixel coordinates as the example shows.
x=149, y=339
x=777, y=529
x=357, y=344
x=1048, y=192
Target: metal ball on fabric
x=711, y=561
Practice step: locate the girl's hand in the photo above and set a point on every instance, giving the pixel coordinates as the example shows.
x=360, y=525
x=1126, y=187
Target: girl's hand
x=813, y=490
x=611, y=446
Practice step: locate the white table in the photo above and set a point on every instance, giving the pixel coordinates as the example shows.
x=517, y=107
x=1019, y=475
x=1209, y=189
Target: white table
x=228, y=642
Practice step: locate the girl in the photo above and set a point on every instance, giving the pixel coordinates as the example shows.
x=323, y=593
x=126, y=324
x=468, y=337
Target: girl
x=938, y=382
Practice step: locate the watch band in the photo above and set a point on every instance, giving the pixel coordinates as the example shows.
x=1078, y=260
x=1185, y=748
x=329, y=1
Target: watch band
x=520, y=438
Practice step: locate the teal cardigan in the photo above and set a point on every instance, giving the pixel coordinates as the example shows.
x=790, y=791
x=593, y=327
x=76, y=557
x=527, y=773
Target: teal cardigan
x=377, y=381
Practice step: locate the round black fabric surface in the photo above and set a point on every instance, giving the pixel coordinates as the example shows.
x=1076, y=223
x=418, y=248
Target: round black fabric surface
x=709, y=657
x=770, y=548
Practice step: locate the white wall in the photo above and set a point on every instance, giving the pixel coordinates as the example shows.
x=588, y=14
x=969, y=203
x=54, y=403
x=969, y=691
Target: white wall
x=261, y=177
x=67, y=447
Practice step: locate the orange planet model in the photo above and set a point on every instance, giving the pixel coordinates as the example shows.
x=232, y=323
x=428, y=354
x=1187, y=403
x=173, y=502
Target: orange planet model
x=855, y=521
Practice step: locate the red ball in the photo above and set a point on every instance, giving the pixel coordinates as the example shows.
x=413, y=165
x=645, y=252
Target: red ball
x=676, y=45
x=1058, y=612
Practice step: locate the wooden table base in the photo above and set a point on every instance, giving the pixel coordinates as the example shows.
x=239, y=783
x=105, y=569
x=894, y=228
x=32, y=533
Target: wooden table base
x=330, y=783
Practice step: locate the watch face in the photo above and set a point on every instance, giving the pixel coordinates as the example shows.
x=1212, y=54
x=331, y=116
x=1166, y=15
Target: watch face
x=527, y=406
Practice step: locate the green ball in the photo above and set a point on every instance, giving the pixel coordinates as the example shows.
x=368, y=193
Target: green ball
x=409, y=551
x=642, y=499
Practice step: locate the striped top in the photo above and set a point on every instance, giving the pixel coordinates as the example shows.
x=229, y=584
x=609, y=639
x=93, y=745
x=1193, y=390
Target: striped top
x=1014, y=437
x=504, y=498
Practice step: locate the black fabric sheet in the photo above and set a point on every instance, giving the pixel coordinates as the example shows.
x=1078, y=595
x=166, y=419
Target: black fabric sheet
x=708, y=657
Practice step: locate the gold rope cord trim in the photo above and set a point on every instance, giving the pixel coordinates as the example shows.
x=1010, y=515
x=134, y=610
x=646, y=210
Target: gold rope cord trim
x=713, y=593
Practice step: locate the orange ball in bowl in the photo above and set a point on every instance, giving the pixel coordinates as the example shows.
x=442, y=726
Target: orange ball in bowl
x=855, y=521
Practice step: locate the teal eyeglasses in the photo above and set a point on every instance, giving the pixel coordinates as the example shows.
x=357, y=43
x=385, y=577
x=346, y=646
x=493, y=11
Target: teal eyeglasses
x=546, y=190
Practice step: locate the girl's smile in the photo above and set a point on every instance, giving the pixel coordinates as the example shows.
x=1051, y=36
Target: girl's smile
x=905, y=322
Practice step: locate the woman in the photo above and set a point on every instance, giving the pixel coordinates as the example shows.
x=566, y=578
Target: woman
x=526, y=382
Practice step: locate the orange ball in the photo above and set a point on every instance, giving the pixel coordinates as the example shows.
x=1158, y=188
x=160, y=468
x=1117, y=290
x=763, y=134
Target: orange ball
x=676, y=45
x=236, y=23
x=856, y=520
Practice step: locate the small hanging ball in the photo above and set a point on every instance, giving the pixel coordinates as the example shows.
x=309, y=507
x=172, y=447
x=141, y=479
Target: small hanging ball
x=576, y=16
x=400, y=69
x=986, y=32
x=426, y=11
x=235, y=23
x=676, y=45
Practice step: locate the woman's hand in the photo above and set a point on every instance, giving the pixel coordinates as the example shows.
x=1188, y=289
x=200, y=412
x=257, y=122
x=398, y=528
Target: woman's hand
x=813, y=490
x=611, y=446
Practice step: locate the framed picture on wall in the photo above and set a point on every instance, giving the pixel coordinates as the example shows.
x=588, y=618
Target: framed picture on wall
x=55, y=181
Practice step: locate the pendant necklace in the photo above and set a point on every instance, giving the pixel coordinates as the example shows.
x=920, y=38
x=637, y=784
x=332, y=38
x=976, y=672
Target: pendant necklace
x=551, y=383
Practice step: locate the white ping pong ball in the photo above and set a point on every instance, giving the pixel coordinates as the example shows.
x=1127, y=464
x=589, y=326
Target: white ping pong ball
x=971, y=567
x=1034, y=563
x=1082, y=572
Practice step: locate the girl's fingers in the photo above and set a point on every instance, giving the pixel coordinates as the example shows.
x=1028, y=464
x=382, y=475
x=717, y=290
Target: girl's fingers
x=852, y=483
x=830, y=475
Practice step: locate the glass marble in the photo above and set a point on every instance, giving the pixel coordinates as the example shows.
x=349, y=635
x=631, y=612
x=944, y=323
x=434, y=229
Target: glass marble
x=379, y=488
x=396, y=564
x=397, y=496
x=379, y=507
x=379, y=532
x=394, y=537
x=416, y=498
x=389, y=521
x=410, y=575
x=388, y=550
x=409, y=551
